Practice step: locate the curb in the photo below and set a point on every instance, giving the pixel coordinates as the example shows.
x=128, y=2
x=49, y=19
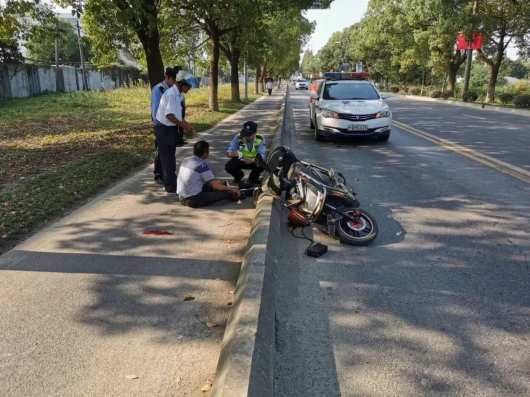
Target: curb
x=520, y=112
x=246, y=363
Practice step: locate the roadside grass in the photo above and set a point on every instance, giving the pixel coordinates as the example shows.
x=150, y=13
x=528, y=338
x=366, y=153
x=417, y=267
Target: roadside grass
x=56, y=151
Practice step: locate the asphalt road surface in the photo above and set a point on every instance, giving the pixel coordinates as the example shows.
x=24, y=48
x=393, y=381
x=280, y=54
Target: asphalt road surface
x=439, y=303
x=503, y=136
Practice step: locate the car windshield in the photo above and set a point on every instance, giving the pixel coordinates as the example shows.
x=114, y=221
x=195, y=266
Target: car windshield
x=302, y=81
x=348, y=91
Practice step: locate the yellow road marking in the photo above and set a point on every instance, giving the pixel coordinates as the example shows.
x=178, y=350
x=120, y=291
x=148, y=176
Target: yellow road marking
x=499, y=165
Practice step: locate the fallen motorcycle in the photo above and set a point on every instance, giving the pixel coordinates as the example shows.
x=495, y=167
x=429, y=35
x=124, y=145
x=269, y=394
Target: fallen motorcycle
x=316, y=195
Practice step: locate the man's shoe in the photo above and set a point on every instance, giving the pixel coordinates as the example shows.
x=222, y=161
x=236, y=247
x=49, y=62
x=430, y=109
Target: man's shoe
x=159, y=181
x=171, y=193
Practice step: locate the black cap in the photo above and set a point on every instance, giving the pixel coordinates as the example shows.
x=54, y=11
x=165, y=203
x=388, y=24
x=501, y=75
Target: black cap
x=171, y=73
x=249, y=128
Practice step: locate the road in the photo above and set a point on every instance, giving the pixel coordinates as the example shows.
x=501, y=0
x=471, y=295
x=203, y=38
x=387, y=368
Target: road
x=439, y=303
x=499, y=135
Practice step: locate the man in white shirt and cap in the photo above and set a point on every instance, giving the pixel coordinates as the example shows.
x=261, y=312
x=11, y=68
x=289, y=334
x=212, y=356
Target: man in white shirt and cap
x=168, y=119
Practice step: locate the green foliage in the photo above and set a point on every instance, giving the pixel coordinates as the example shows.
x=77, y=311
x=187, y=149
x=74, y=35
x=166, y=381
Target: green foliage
x=470, y=96
x=521, y=87
x=394, y=89
x=446, y=94
x=41, y=44
x=415, y=91
x=506, y=98
x=10, y=53
x=436, y=94
x=522, y=101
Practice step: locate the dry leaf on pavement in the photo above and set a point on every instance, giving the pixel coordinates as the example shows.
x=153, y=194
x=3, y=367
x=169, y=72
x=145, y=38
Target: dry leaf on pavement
x=189, y=298
x=206, y=388
x=132, y=377
x=211, y=325
x=230, y=303
x=178, y=379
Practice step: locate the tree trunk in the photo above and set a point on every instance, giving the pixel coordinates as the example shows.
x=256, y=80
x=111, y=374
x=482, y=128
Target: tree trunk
x=257, y=80
x=263, y=76
x=451, y=72
x=234, y=76
x=150, y=39
x=214, y=71
x=493, y=81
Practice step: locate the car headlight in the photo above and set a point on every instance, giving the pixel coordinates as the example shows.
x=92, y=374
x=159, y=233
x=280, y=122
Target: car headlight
x=328, y=113
x=383, y=113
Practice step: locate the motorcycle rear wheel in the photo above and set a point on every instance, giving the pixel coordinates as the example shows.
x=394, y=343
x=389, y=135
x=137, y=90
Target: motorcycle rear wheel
x=357, y=234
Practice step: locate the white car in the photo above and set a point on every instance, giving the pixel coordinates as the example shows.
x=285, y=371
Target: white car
x=301, y=85
x=349, y=107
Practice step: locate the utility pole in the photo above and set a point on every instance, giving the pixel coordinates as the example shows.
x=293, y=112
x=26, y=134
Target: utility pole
x=245, y=68
x=470, y=52
x=85, y=82
x=57, y=58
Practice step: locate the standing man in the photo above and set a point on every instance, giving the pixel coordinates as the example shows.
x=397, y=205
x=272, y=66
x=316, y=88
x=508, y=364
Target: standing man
x=197, y=186
x=169, y=118
x=156, y=95
x=243, y=151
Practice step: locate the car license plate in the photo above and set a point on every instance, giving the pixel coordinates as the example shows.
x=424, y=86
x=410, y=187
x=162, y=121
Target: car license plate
x=358, y=127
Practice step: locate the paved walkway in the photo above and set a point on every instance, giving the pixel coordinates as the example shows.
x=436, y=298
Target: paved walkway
x=91, y=300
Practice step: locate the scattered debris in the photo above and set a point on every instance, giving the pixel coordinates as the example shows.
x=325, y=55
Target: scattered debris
x=157, y=233
x=189, y=298
x=230, y=303
x=178, y=379
x=211, y=325
x=132, y=377
x=207, y=387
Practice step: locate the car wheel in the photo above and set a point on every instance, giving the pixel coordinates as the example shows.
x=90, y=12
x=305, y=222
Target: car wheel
x=383, y=138
x=318, y=136
x=311, y=124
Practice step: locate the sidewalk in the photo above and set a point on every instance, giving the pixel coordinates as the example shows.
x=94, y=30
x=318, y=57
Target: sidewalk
x=91, y=300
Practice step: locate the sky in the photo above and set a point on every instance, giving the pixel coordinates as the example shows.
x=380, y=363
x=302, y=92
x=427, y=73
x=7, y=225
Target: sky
x=343, y=13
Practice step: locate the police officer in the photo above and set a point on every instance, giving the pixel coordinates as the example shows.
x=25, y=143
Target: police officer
x=169, y=118
x=243, y=151
x=158, y=90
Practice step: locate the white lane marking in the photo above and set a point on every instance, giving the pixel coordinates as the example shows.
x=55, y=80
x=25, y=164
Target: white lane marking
x=475, y=117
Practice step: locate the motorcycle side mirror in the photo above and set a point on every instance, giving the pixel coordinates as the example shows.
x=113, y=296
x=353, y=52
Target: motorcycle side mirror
x=260, y=162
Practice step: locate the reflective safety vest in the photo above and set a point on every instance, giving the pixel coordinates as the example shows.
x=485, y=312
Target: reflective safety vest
x=249, y=154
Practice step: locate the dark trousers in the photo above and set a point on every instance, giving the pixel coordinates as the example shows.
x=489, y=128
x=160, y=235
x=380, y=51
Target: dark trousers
x=165, y=138
x=270, y=91
x=179, y=138
x=209, y=196
x=234, y=167
x=158, y=165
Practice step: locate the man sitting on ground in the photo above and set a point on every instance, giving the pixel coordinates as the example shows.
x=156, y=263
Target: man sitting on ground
x=243, y=151
x=196, y=185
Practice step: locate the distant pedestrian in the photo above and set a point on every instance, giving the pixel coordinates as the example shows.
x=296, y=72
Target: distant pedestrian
x=169, y=118
x=156, y=95
x=197, y=186
x=270, y=86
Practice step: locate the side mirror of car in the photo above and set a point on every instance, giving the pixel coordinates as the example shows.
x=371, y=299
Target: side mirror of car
x=313, y=95
x=384, y=96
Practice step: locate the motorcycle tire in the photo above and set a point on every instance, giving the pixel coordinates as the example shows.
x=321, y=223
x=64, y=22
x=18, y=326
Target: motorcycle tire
x=351, y=235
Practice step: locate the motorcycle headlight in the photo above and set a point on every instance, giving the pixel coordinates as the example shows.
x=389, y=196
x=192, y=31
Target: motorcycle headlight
x=383, y=113
x=328, y=113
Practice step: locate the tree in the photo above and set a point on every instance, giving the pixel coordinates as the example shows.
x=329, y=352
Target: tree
x=504, y=21
x=41, y=45
x=141, y=16
x=10, y=53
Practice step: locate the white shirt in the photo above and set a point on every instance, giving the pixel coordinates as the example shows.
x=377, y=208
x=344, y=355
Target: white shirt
x=269, y=85
x=171, y=103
